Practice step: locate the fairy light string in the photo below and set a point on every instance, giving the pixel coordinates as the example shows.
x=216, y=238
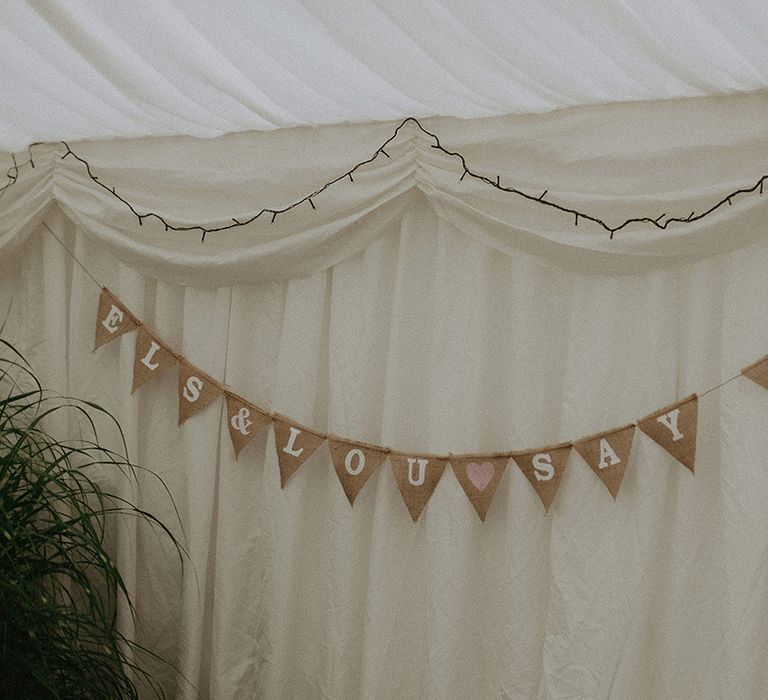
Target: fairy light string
x=660, y=221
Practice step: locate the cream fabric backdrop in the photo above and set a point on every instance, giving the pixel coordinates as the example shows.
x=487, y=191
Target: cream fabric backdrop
x=422, y=313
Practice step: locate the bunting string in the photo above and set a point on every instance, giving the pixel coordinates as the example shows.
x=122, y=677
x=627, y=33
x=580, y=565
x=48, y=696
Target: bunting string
x=72, y=255
x=661, y=221
x=416, y=474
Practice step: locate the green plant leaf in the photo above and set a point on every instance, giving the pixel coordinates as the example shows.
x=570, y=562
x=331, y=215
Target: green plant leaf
x=59, y=584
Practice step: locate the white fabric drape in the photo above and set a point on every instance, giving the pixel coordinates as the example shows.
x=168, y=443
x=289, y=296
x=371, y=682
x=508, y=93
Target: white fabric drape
x=418, y=312
x=614, y=162
x=101, y=70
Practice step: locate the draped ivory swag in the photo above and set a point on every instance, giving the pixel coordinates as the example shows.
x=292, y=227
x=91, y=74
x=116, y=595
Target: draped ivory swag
x=607, y=453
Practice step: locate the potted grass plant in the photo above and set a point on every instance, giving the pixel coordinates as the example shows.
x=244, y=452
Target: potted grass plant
x=59, y=585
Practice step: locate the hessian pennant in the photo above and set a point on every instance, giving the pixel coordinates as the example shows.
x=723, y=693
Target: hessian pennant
x=294, y=444
x=674, y=428
x=196, y=390
x=416, y=477
x=608, y=455
x=355, y=463
x=544, y=468
x=151, y=359
x=479, y=476
x=758, y=372
x=245, y=421
x=112, y=319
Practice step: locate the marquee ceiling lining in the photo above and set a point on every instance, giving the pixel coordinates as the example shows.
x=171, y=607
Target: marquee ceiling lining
x=99, y=70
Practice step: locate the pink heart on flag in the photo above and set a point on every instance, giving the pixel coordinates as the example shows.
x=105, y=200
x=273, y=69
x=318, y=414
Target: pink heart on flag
x=480, y=474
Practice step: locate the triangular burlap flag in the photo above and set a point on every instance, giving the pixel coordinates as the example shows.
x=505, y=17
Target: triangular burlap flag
x=151, y=359
x=196, y=390
x=112, y=319
x=416, y=477
x=608, y=455
x=674, y=428
x=355, y=462
x=479, y=476
x=294, y=444
x=544, y=468
x=245, y=421
x=758, y=372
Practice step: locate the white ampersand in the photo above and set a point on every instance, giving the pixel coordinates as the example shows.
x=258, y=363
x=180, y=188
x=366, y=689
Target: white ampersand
x=240, y=421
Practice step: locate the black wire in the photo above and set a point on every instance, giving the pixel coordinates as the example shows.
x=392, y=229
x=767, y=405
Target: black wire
x=658, y=221
x=12, y=174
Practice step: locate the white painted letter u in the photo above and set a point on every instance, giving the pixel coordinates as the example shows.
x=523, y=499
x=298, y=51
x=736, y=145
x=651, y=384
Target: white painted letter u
x=422, y=471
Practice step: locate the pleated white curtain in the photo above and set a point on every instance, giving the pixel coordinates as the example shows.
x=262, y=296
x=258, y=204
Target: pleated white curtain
x=409, y=313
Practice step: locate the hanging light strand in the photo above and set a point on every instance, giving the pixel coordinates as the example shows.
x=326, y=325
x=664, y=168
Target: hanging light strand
x=661, y=221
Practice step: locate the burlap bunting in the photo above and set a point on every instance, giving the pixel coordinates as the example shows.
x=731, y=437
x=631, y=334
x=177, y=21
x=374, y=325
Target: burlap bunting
x=245, y=421
x=112, y=319
x=196, y=390
x=608, y=455
x=479, y=476
x=294, y=444
x=758, y=372
x=544, y=468
x=674, y=428
x=355, y=463
x=151, y=358
x=416, y=477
